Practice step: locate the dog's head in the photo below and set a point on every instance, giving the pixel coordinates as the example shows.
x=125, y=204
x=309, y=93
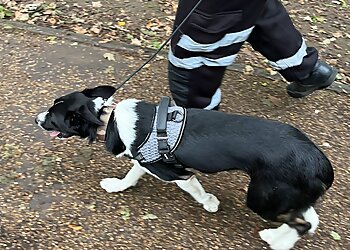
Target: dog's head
x=77, y=113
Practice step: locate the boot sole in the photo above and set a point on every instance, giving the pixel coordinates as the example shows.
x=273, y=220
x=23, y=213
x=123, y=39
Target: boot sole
x=300, y=94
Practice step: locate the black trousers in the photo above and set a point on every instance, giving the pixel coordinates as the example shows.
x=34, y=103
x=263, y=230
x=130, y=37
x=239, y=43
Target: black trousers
x=212, y=36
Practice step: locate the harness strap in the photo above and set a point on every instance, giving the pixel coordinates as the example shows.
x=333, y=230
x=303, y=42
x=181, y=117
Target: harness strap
x=162, y=114
x=162, y=137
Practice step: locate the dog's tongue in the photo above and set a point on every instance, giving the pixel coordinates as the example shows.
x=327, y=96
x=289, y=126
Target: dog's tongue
x=54, y=133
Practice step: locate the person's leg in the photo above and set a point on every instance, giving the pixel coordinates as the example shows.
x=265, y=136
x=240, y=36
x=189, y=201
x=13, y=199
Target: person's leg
x=275, y=37
x=205, y=45
x=196, y=88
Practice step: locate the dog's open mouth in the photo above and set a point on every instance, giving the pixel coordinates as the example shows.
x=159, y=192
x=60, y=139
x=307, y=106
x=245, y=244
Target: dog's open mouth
x=57, y=134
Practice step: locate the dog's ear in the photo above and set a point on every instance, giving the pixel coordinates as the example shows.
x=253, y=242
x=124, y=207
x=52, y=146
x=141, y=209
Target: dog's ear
x=88, y=115
x=104, y=91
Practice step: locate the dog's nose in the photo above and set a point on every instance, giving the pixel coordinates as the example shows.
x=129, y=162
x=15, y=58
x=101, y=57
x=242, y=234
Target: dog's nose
x=40, y=119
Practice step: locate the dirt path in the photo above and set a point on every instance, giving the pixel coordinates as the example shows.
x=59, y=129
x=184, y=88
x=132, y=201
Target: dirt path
x=49, y=190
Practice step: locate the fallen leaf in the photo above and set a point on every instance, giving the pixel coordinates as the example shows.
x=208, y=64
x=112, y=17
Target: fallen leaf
x=8, y=177
x=52, y=20
x=21, y=16
x=155, y=44
x=339, y=77
x=307, y=18
x=51, y=39
x=51, y=160
x=105, y=41
x=4, y=180
x=78, y=20
x=160, y=57
x=50, y=6
x=271, y=71
x=47, y=12
x=318, y=19
x=8, y=27
x=96, y=29
x=248, y=69
x=264, y=84
x=148, y=32
x=149, y=217
x=109, y=70
x=274, y=100
x=338, y=34
x=121, y=23
x=125, y=213
x=335, y=235
x=97, y=4
x=75, y=227
x=136, y=42
x=91, y=207
x=79, y=30
x=344, y=4
x=109, y=56
x=328, y=41
x=9, y=151
x=4, y=12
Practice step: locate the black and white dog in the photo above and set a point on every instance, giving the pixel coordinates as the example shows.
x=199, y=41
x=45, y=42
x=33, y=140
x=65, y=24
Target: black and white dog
x=288, y=171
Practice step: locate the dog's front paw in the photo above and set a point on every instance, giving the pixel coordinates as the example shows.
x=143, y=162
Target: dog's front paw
x=113, y=185
x=211, y=203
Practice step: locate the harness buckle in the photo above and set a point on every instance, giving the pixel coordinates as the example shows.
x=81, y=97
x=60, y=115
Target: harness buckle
x=162, y=138
x=168, y=158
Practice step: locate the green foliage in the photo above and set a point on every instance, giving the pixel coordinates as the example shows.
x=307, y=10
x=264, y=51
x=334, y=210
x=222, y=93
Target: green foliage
x=4, y=13
x=155, y=44
x=318, y=19
x=344, y=4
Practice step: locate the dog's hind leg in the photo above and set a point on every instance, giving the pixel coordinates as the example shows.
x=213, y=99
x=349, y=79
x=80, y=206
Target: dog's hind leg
x=195, y=189
x=296, y=224
x=118, y=185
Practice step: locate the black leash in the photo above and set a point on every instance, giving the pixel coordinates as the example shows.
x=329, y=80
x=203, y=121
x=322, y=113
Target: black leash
x=160, y=48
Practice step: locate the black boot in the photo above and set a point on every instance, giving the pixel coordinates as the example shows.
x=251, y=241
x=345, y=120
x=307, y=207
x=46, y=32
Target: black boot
x=321, y=77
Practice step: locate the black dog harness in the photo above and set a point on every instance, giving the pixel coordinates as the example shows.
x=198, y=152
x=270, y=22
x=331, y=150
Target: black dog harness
x=167, y=129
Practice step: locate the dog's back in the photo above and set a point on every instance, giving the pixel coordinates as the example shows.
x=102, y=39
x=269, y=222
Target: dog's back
x=245, y=143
